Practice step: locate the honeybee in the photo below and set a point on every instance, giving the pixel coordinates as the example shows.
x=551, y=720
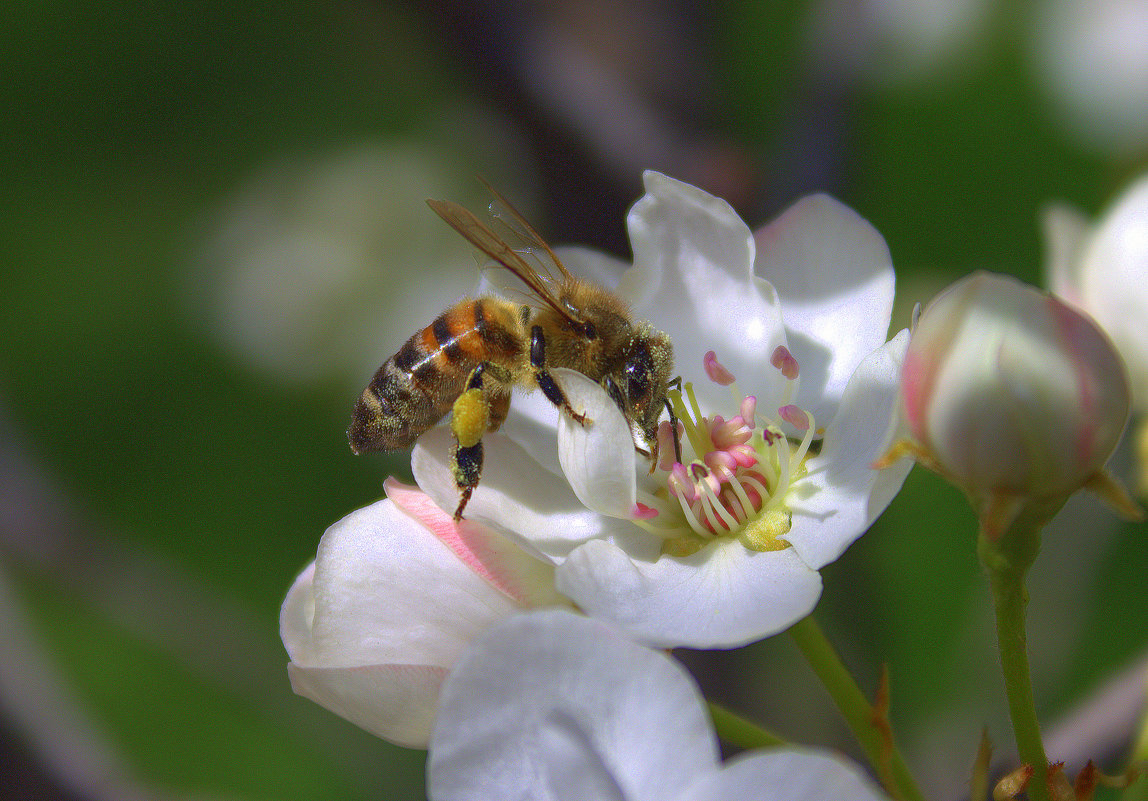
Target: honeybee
x=473, y=354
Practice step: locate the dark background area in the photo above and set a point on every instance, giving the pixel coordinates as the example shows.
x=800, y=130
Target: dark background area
x=180, y=355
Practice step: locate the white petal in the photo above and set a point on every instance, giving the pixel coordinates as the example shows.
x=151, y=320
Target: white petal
x=548, y=693
x=834, y=276
x=785, y=775
x=723, y=596
x=533, y=506
x=375, y=622
x=386, y=590
x=1115, y=282
x=1066, y=231
x=395, y=702
x=842, y=494
x=598, y=458
x=693, y=278
x=298, y=613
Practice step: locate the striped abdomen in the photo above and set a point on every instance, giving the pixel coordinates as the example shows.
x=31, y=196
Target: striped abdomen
x=416, y=387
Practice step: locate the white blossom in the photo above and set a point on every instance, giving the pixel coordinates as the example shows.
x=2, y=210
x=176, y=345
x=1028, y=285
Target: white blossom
x=549, y=706
x=724, y=548
x=395, y=594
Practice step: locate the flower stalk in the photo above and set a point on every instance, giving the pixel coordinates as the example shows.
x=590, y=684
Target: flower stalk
x=1007, y=559
x=860, y=715
x=737, y=731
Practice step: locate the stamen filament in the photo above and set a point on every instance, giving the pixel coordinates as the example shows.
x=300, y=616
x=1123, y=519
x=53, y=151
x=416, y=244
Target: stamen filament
x=689, y=423
x=757, y=485
x=719, y=507
x=697, y=416
x=692, y=519
x=782, y=487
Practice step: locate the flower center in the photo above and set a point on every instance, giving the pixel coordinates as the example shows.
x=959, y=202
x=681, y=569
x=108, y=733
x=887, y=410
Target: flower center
x=735, y=475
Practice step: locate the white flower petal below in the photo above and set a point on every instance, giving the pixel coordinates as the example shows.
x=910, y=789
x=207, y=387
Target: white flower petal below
x=723, y=596
x=395, y=702
x=842, y=494
x=550, y=705
x=834, y=276
x=789, y=775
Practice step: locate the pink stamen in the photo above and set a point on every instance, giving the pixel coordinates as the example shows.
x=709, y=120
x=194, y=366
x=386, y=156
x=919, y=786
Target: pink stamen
x=680, y=484
x=744, y=455
x=643, y=512
x=716, y=371
x=666, y=444
x=783, y=360
x=795, y=416
x=749, y=410
x=722, y=463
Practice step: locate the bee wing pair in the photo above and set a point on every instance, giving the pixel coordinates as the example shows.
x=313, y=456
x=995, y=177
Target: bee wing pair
x=485, y=239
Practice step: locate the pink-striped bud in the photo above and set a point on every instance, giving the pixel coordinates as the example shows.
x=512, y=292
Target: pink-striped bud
x=1007, y=390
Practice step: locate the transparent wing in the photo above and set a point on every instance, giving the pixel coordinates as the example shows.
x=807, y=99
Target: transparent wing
x=520, y=262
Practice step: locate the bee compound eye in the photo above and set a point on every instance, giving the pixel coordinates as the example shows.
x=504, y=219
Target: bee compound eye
x=637, y=380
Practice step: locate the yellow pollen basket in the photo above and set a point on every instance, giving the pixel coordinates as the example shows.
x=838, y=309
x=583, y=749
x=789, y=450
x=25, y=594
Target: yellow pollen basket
x=471, y=415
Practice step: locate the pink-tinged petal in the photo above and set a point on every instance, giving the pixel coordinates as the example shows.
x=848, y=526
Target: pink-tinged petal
x=841, y=496
x=597, y=457
x=556, y=706
x=693, y=279
x=395, y=702
x=790, y=774
x=526, y=580
x=535, y=508
x=386, y=590
x=834, y=276
x=387, y=607
x=723, y=596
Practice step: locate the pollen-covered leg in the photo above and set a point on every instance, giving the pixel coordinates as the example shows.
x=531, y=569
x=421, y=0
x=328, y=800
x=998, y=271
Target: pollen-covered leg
x=472, y=416
x=545, y=381
x=467, y=468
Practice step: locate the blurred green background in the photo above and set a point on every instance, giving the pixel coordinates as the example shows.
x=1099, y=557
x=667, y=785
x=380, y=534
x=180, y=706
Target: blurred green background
x=214, y=231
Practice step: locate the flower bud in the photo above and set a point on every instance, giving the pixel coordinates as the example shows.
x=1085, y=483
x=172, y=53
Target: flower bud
x=1008, y=392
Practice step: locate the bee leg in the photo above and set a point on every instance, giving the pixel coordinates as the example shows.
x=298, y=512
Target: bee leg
x=499, y=405
x=467, y=468
x=545, y=381
x=468, y=423
x=674, y=427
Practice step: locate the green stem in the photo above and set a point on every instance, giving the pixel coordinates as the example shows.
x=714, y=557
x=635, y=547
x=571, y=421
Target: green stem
x=738, y=731
x=856, y=709
x=1007, y=561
